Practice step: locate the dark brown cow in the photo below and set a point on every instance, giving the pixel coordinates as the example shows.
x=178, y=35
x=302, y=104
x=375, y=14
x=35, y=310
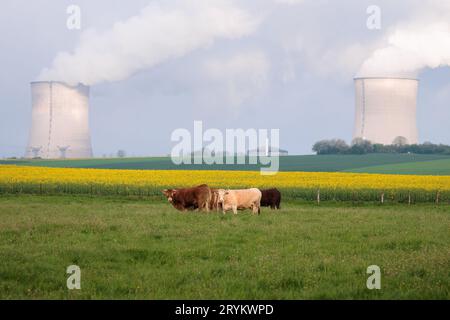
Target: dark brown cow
x=271, y=198
x=190, y=199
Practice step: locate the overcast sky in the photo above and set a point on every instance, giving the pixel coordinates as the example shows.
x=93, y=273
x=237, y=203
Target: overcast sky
x=281, y=64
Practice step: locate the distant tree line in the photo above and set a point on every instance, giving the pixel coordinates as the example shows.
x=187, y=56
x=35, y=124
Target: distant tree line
x=361, y=146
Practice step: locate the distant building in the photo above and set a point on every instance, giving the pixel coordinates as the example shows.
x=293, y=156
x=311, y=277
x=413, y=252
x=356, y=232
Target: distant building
x=59, y=121
x=201, y=153
x=386, y=110
x=264, y=152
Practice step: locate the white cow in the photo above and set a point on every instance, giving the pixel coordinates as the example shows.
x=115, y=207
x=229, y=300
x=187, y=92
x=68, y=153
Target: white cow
x=240, y=200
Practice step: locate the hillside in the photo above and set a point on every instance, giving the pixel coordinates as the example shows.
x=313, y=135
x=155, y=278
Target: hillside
x=371, y=163
x=435, y=167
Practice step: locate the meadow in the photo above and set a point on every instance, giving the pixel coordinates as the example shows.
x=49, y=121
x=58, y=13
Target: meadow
x=131, y=248
x=434, y=167
x=131, y=244
x=369, y=163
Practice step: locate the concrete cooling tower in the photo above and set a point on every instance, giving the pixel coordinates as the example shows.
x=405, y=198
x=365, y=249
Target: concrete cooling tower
x=60, y=121
x=386, y=109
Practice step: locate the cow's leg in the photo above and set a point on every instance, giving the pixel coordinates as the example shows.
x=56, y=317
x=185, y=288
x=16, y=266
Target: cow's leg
x=235, y=209
x=257, y=207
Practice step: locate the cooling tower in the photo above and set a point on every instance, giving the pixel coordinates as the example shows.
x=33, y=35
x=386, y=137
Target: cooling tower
x=60, y=121
x=386, y=109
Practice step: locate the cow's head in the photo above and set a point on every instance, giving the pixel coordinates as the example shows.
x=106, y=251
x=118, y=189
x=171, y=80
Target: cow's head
x=169, y=193
x=221, y=193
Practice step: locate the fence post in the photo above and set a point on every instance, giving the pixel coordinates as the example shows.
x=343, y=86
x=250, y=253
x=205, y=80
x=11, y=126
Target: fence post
x=318, y=196
x=409, y=198
x=437, y=197
x=382, y=198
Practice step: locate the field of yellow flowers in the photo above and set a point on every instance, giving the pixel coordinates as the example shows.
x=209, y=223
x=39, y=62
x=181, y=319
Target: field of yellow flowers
x=306, y=185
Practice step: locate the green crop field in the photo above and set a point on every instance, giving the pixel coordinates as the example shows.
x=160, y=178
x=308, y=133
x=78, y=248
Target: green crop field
x=407, y=164
x=142, y=248
x=435, y=167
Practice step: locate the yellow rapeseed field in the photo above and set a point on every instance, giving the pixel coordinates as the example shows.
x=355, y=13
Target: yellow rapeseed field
x=226, y=179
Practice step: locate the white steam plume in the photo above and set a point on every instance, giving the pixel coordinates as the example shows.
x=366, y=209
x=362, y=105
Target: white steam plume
x=411, y=47
x=163, y=31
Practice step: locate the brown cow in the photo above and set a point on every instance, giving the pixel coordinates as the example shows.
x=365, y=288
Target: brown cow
x=190, y=199
x=215, y=204
x=240, y=200
x=271, y=198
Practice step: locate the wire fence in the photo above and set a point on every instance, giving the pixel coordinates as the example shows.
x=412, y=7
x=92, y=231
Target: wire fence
x=317, y=195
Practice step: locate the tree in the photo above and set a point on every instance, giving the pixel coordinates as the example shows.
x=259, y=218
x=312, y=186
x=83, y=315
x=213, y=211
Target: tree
x=361, y=146
x=400, y=141
x=121, y=154
x=334, y=146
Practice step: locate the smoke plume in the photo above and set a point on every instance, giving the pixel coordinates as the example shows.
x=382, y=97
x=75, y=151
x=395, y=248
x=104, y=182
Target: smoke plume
x=411, y=47
x=162, y=31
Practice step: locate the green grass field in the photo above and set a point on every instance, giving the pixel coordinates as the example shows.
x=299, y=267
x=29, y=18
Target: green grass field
x=435, y=167
x=135, y=248
x=372, y=163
